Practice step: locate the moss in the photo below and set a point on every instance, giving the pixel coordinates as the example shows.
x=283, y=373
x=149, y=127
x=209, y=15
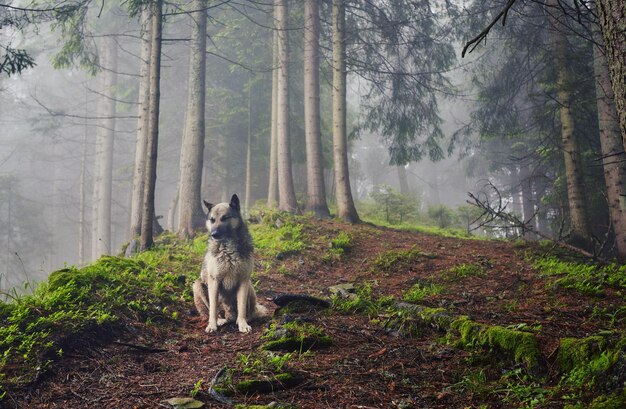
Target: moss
x=295, y=336
x=420, y=291
x=279, y=382
x=399, y=259
x=575, y=352
x=614, y=401
x=521, y=346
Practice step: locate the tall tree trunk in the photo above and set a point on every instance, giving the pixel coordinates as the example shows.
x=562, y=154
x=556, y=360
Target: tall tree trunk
x=143, y=113
x=148, y=218
x=286, y=193
x=191, y=217
x=248, y=187
x=542, y=213
x=345, y=204
x=316, y=191
x=272, y=190
x=403, y=180
x=528, y=205
x=612, y=148
x=82, y=204
x=101, y=242
x=580, y=230
x=612, y=15
x=171, y=213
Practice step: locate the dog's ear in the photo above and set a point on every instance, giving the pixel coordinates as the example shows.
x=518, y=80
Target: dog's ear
x=208, y=205
x=234, y=203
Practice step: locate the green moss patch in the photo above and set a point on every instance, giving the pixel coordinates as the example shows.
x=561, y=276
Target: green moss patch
x=391, y=261
x=295, y=336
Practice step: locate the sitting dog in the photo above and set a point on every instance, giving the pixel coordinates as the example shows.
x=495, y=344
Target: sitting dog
x=224, y=281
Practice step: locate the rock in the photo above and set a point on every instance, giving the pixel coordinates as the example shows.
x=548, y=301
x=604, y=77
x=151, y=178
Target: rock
x=184, y=403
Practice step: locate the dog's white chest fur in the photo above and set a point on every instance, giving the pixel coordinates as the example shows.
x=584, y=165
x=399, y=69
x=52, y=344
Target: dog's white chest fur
x=226, y=267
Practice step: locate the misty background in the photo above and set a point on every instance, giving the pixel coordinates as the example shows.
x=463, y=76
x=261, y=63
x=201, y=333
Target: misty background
x=49, y=118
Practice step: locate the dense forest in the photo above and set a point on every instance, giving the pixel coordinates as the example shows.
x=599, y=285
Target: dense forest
x=117, y=119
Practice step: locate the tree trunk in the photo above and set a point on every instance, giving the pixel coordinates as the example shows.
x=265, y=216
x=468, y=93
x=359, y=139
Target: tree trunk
x=171, y=213
x=403, y=180
x=580, y=230
x=345, y=204
x=248, y=187
x=272, y=190
x=148, y=218
x=528, y=206
x=136, y=201
x=612, y=148
x=612, y=15
x=316, y=191
x=286, y=193
x=82, y=204
x=101, y=241
x=191, y=217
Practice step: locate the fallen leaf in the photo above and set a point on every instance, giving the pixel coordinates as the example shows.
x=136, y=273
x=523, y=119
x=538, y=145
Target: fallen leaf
x=184, y=403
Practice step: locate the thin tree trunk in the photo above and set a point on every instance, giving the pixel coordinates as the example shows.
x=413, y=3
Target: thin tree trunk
x=171, y=213
x=580, y=229
x=612, y=148
x=286, y=193
x=528, y=208
x=248, y=188
x=136, y=201
x=612, y=14
x=104, y=151
x=272, y=190
x=83, y=196
x=148, y=218
x=345, y=204
x=191, y=217
x=316, y=191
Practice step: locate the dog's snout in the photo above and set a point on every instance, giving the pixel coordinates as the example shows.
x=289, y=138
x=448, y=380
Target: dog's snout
x=215, y=233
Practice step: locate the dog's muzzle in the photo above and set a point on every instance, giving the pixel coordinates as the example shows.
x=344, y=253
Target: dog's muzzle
x=217, y=235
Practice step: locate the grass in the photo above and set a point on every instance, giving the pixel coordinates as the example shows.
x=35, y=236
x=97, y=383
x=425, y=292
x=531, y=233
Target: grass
x=419, y=292
x=92, y=301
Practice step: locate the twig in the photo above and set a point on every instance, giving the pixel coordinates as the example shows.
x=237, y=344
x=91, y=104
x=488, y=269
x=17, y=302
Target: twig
x=214, y=394
x=142, y=348
x=483, y=34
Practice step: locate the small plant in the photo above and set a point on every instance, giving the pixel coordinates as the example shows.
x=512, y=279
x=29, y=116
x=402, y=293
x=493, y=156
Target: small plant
x=340, y=245
x=400, y=259
x=465, y=270
x=362, y=302
x=420, y=291
x=196, y=388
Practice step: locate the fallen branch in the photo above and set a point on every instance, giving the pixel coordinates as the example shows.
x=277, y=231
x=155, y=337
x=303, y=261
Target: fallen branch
x=214, y=394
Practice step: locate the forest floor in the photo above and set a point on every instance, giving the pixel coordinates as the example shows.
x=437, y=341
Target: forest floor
x=383, y=353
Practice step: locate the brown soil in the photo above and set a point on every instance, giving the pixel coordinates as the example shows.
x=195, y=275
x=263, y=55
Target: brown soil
x=367, y=366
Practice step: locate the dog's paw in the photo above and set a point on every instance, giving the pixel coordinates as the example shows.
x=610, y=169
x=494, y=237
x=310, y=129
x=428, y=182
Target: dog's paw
x=210, y=328
x=222, y=321
x=244, y=327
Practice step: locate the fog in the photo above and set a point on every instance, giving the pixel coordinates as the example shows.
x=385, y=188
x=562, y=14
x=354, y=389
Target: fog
x=49, y=119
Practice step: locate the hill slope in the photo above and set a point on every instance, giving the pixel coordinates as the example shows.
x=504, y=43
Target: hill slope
x=420, y=321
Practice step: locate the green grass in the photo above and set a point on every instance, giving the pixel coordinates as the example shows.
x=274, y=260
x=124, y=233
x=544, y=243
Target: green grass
x=272, y=240
x=419, y=292
x=464, y=270
x=92, y=301
x=396, y=260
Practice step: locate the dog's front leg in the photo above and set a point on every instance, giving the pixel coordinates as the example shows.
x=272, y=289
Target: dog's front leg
x=242, y=307
x=212, y=292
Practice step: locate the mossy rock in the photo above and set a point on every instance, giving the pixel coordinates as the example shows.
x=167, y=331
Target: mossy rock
x=521, y=346
x=279, y=382
x=575, y=352
x=295, y=336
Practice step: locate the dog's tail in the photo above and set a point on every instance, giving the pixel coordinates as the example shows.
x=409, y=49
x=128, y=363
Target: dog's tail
x=260, y=311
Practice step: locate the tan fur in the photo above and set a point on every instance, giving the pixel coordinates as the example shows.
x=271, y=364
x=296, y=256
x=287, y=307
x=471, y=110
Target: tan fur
x=224, y=284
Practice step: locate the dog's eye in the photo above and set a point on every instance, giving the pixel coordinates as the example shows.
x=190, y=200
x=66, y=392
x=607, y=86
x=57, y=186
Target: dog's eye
x=212, y=219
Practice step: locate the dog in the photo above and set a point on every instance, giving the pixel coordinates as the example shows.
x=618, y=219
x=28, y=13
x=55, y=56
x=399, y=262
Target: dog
x=224, y=282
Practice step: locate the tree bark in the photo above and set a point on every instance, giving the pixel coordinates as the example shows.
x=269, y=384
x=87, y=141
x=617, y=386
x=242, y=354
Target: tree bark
x=191, y=217
x=136, y=201
x=272, y=190
x=580, y=230
x=345, y=204
x=403, y=181
x=316, y=191
x=101, y=240
x=286, y=193
x=148, y=218
x=248, y=187
x=613, y=156
x=612, y=15
x=528, y=205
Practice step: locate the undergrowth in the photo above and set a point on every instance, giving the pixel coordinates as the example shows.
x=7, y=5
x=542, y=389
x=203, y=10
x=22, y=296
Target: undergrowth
x=93, y=301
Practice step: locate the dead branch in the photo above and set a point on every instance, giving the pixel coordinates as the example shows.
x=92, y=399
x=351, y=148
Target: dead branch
x=483, y=34
x=214, y=394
